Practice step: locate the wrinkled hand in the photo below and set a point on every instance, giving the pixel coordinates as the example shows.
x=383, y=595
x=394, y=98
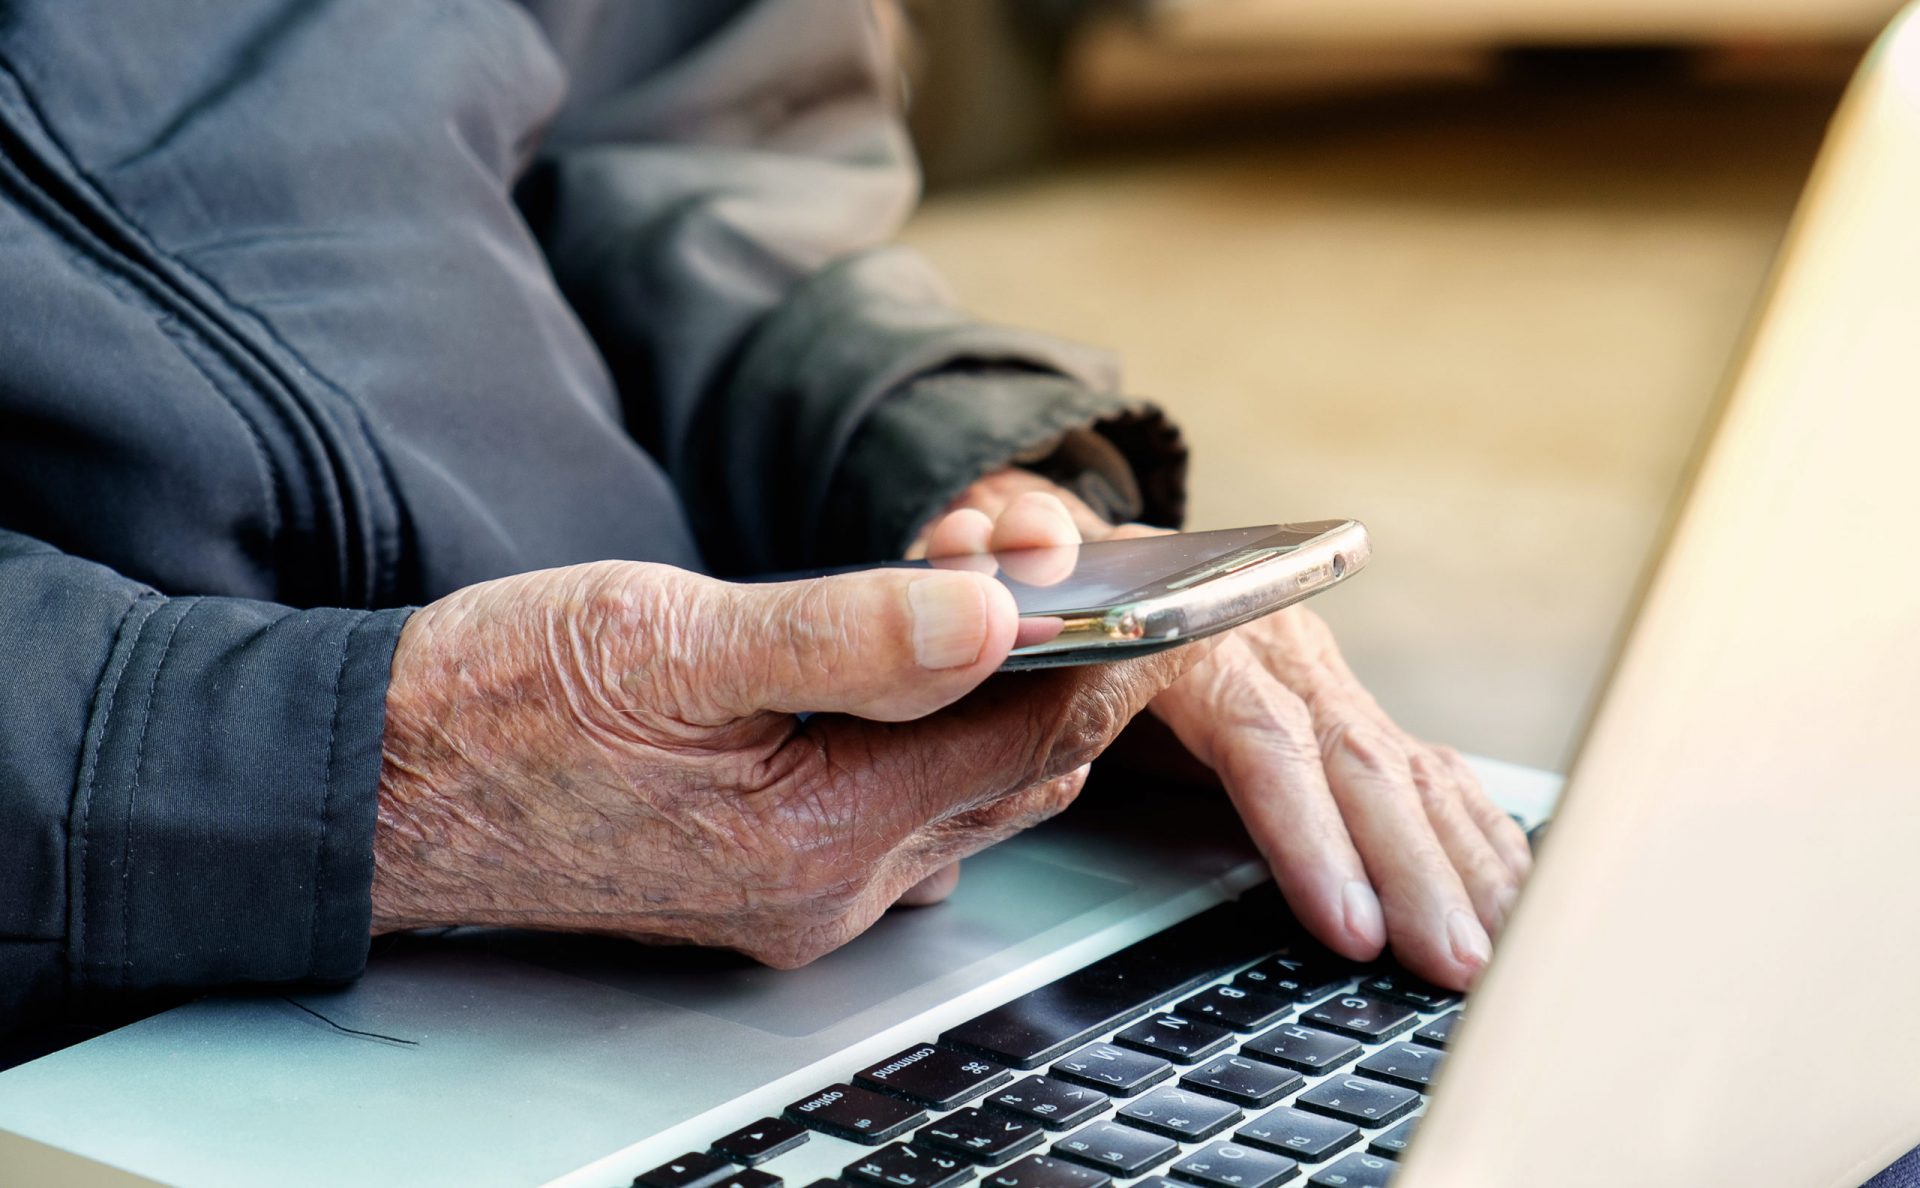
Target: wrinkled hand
x=614, y=748
x=1373, y=835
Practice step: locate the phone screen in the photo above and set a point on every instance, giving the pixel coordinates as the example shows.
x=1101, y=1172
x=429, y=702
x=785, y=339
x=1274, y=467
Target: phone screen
x=1079, y=577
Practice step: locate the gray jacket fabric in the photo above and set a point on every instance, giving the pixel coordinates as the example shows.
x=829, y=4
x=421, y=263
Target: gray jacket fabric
x=314, y=310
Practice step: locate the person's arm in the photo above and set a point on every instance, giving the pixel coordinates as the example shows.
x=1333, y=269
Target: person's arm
x=716, y=201
x=198, y=792
x=187, y=785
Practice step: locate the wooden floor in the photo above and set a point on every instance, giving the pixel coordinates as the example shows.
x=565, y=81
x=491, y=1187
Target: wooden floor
x=1487, y=321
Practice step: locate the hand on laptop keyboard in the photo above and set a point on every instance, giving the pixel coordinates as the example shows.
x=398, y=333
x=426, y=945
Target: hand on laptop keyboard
x=1352, y=812
x=613, y=748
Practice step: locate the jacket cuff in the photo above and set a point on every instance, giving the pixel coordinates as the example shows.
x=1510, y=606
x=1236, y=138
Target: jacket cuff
x=926, y=443
x=222, y=825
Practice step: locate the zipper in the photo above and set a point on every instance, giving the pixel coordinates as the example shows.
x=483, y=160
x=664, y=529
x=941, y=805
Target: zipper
x=319, y=460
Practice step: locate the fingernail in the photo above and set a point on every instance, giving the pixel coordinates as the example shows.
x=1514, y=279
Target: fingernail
x=1362, y=906
x=1470, y=944
x=949, y=620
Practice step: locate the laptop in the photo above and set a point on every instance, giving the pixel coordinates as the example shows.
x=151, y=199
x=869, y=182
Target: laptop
x=1704, y=982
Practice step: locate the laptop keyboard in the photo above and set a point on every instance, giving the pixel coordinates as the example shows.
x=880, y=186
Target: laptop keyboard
x=1205, y=1056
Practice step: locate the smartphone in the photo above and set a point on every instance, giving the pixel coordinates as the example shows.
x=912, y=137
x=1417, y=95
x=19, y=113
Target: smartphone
x=1114, y=600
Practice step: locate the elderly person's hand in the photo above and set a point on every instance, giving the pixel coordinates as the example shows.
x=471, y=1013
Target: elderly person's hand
x=615, y=748
x=1373, y=835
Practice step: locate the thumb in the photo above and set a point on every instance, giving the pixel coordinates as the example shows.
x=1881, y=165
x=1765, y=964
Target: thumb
x=887, y=644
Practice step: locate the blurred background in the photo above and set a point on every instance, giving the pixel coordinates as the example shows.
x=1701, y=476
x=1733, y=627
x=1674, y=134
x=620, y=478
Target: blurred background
x=1467, y=270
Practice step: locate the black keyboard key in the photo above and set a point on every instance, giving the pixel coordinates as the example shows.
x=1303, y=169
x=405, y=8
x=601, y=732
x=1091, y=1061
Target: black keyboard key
x=1356, y=1171
x=825, y=1182
x=1041, y=1024
x=902, y=1165
x=1306, y=1137
x=1157, y=1182
x=1398, y=984
x=1359, y=1101
x=950, y=1160
x=695, y=1169
x=1176, y=1037
x=1054, y=1104
x=761, y=1141
x=1393, y=1144
x=981, y=1136
x=1116, y=1149
x=861, y=1115
x=1251, y=1083
x=935, y=1077
x=1229, y=1165
x=1236, y=1007
x=749, y=1177
x=1362, y=1016
x=1299, y=977
x=1112, y=1070
x=1042, y=1171
x=1304, y=1049
x=1439, y=1033
x=1412, y=1065
x=1179, y=1114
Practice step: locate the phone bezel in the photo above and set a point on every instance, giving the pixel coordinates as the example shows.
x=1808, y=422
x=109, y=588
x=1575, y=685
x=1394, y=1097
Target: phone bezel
x=1294, y=562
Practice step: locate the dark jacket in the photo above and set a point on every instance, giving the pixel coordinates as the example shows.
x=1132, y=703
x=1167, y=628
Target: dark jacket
x=311, y=311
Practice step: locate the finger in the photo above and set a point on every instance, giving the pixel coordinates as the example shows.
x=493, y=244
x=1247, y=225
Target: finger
x=1136, y=531
x=963, y=538
x=889, y=644
x=994, y=492
x=888, y=781
x=1035, y=520
x=1489, y=883
x=960, y=533
x=1036, y=534
x=1259, y=739
x=932, y=889
x=1431, y=922
x=1505, y=835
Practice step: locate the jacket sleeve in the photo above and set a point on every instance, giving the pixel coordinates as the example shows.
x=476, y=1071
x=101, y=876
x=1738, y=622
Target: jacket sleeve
x=715, y=201
x=187, y=785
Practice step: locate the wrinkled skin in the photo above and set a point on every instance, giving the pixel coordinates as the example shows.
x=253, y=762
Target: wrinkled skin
x=1374, y=836
x=614, y=748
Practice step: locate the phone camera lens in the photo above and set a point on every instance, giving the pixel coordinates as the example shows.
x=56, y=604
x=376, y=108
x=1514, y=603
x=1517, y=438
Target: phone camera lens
x=1339, y=566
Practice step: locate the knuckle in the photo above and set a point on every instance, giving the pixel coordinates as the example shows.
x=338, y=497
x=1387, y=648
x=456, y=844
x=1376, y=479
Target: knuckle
x=1290, y=715
x=1364, y=745
x=1485, y=870
x=1095, y=716
x=1433, y=781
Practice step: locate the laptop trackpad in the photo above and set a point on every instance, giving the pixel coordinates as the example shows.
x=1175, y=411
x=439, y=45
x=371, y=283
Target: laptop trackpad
x=1005, y=898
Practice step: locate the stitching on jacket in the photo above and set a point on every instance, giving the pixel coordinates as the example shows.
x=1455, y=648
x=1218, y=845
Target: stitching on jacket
x=109, y=684
x=385, y=565
x=133, y=796
x=326, y=796
x=115, y=270
x=361, y=417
